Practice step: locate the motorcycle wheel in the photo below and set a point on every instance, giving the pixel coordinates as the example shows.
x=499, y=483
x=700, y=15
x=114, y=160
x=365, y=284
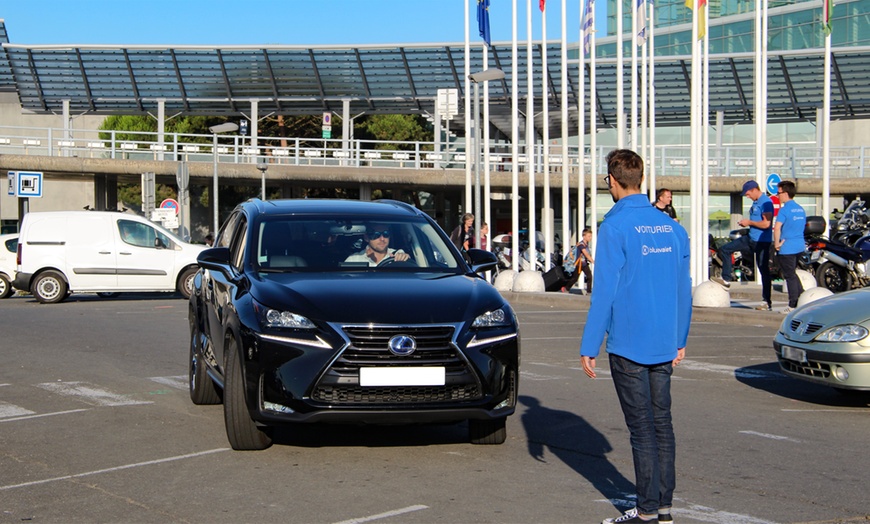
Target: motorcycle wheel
x=833, y=277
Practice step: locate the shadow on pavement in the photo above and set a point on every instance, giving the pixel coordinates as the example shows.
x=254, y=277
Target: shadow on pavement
x=576, y=443
x=768, y=377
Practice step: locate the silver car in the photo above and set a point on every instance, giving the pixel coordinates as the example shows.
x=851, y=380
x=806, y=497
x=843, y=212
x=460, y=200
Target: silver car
x=828, y=341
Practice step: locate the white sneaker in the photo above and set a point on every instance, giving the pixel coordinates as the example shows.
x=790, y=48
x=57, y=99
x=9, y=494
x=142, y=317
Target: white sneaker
x=629, y=517
x=723, y=283
x=787, y=310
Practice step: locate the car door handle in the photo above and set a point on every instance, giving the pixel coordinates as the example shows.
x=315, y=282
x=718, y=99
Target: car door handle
x=105, y=252
x=125, y=253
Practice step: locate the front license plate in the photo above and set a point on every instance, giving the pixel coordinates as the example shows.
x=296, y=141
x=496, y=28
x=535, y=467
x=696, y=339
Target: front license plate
x=405, y=376
x=790, y=353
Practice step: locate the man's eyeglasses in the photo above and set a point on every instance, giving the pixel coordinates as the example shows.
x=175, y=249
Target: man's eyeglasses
x=374, y=235
x=607, y=180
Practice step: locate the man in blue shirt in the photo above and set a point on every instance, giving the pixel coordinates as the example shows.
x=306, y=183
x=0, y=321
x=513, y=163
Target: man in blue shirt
x=788, y=240
x=642, y=301
x=760, y=237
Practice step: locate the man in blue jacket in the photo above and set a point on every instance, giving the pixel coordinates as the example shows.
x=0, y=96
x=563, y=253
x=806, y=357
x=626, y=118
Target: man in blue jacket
x=643, y=302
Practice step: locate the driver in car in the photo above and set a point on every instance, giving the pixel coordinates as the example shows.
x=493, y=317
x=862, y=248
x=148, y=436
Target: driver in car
x=378, y=248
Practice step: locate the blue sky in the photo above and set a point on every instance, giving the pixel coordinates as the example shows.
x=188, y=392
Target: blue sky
x=263, y=22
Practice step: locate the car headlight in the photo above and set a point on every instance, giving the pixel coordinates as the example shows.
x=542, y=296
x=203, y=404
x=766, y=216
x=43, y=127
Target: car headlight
x=275, y=318
x=847, y=333
x=491, y=319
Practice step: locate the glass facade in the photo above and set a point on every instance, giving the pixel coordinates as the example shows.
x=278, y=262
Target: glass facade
x=792, y=25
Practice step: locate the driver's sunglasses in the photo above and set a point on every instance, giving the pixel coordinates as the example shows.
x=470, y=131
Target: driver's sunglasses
x=374, y=235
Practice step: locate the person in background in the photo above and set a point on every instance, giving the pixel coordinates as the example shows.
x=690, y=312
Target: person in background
x=760, y=224
x=463, y=236
x=664, y=197
x=642, y=305
x=209, y=240
x=581, y=258
x=484, y=232
x=788, y=240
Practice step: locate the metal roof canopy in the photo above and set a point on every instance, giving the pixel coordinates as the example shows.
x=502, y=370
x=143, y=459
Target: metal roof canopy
x=402, y=79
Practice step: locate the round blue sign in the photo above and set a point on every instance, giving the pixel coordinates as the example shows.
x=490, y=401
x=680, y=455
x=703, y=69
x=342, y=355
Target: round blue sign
x=773, y=180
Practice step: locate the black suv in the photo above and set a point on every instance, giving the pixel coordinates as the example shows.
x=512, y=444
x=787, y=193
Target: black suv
x=348, y=312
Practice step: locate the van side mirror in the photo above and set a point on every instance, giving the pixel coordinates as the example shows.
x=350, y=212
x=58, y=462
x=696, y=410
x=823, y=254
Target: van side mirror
x=158, y=243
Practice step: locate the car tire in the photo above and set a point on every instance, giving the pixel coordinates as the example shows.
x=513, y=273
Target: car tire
x=487, y=432
x=242, y=432
x=833, y=277
x=185, y=282
x=5, y=287
x=203, y=390
x=107, y=294
x=49, y=287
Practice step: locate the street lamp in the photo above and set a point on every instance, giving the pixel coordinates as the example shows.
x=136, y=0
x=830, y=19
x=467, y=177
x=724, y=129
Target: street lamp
x=476, y=79
x=227, y=127
x=262, y=166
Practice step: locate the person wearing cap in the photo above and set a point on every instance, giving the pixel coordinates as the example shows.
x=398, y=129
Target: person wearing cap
x=760, y=237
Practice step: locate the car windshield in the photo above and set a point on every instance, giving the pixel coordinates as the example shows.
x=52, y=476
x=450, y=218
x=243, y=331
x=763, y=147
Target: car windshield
x=318, y=244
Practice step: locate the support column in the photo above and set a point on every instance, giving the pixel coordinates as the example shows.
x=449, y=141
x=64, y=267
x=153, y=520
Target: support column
x=182, y=178
x=67, y=128
x=100, y=192
x=161, y=128
x=255, y=124
x=365, y=192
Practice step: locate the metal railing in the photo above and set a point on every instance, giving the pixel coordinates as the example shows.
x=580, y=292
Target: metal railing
x=794, y=161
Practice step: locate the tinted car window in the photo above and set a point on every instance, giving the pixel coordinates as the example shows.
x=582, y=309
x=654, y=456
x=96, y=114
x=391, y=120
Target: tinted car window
x=142, y=235
x=12, y=245
x=341, y=243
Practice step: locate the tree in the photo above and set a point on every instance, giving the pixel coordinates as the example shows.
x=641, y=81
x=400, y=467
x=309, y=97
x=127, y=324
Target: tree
x=404, y=128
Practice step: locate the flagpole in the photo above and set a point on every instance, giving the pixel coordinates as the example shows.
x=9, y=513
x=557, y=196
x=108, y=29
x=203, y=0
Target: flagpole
x=643, y=95
x=468, y=132
x=704, y=224
x=593, y=147
x=694, y=184
x=620, y=81
x=487, y=182
x=515, y=145
x=826, y=124
x=633, y=127
x=545, y=100
x=530, y=134
x=586, y=28
x=566, y=202
x=652, y=100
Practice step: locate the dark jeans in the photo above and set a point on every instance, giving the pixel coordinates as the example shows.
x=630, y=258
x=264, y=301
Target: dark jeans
x=762, y=261
x=788, y=265
x=645, y=396
x=575, y=276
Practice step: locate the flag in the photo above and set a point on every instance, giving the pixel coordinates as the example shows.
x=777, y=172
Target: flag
x=588, y=25
x=702, y=16
x=640, y=23
x=541, y=5
x=827, y=9
x=483, y=21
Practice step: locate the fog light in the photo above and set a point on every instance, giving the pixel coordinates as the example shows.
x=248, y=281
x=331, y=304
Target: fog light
x=841, y=373
x=277, y=408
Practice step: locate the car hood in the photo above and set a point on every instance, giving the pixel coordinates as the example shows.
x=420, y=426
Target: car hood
x=384, y=298
x=851, y=307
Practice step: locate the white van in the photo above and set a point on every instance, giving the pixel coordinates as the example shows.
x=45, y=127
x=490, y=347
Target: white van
x=63, y=252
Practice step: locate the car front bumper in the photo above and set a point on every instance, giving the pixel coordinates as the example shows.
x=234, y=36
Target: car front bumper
x=838, y=370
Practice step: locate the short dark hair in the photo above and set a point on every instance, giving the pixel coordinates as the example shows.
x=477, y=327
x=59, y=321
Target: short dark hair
x=788, y=187
x=661, y=191
x=626, y=167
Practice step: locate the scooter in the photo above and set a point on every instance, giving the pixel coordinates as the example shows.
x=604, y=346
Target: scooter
x=840, y=267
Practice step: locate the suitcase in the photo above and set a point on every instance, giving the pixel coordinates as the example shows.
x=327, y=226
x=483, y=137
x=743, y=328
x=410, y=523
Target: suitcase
x=555, y=279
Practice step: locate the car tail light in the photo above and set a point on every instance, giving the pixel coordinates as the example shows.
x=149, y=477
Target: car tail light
x=18, y=254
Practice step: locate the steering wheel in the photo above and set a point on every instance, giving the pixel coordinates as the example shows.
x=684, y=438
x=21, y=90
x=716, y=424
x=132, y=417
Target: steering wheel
x=391, y=261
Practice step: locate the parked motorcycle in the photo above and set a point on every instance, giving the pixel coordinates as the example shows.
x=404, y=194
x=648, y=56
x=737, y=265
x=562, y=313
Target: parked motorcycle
x=742, y=262
x=838, y=266
x=853, y=224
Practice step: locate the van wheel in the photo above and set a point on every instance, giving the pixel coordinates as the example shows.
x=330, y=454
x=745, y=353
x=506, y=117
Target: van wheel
x=49, y=287
x=242, y=432
x=107, y=294
x=5, y=287
x=185, y=282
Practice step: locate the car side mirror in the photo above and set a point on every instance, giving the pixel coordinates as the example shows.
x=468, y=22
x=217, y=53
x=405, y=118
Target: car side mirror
x=216, y=258
x=481, y=260
x=158, y=243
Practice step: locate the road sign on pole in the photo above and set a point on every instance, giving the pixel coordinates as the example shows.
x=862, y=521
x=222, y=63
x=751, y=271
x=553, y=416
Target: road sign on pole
x=170, y=203
x=772, y=182
x=25, y=184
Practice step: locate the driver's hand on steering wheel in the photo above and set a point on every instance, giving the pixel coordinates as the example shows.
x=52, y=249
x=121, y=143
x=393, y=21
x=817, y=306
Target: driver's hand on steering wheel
x=401, y=257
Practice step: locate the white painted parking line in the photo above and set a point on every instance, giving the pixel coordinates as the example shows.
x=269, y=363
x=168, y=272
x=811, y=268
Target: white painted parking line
x=90, y=394
x=385, y=515
x=110, y=470
x=694, y=365
x=177, y=382
x=768, y=435
x=535, y=376
x=40, y=415
x=11, y=410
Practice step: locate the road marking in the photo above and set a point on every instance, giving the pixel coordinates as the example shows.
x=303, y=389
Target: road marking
x=110, y=470
x=695, y=512
x=535, y=376
x=385, y=515
x=177, y=381
x=28, y=417
x=841, y=410
x=90, y=394
x=11, y=410
x=770, y=436
x=695, y=365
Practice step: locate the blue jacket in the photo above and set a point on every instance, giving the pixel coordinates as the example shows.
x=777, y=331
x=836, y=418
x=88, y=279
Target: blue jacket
x=643, y=289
